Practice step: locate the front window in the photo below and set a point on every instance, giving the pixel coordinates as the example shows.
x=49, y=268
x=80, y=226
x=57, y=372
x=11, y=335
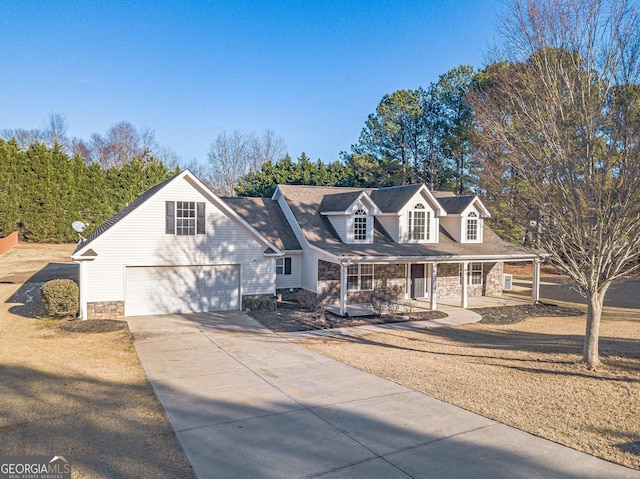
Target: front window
x=185, y=218
x=472, y=226
x=360, y=225
x=283, y=266
x=419, y=223
x=474, y=274
x=360, y=277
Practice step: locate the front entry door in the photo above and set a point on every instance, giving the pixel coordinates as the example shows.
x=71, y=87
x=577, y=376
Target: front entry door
x=417, y=280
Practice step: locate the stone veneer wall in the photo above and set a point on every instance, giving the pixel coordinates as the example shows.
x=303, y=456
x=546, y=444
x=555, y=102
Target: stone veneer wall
x=268, y=297
x=449, y=281
x=287, y=295
x=391, y=277
x=493, y=278
x=105, y=310
x=386, y=277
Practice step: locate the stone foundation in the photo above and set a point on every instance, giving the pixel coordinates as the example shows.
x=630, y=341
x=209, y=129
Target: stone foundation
x=286, y=294
x=105, y=310
x=245, y=298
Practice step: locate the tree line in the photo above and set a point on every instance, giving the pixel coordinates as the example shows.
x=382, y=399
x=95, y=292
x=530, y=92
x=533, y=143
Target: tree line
x=43, y=190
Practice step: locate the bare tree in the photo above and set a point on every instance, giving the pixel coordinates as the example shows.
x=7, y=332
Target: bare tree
x=120, y=144
x=54, y=131
x=560, y=120
x=233, y=155
x=268, y=147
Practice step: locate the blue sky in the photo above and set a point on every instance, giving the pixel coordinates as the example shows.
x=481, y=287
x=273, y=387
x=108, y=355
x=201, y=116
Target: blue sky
x=310, y=71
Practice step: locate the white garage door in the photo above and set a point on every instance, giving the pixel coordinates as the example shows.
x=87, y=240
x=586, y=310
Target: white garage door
x=181, y=289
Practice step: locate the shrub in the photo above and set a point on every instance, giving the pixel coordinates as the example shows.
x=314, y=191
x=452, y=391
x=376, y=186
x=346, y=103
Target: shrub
x=309, y=300
x=259, y=304
x=61, y=298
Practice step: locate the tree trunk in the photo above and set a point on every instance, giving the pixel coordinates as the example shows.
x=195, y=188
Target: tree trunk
x=590, y=353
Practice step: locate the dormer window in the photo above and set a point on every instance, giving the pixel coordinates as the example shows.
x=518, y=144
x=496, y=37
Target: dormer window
x=419, y=223
x=472, y=226
x=360, y=225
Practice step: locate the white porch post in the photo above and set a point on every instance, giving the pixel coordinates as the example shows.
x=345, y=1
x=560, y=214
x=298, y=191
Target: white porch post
x=463, y=281
x=434, y=280
x=343, y=289
x=535, y=288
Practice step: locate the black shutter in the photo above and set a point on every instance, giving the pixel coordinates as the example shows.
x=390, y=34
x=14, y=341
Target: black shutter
x=287, y=266
x=170, y=218
x=200, y=219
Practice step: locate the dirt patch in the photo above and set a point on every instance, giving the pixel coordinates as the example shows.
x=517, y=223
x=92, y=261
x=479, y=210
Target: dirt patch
x=527, y=375
x=291, y=317
x=93, y=326
x=83, y=396
x=515, y=314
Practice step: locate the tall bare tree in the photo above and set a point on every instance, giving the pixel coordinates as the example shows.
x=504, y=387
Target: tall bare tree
x=232, y=155
x=560, y=119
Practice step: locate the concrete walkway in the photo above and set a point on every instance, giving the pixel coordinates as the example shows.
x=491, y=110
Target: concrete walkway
x=247, y=403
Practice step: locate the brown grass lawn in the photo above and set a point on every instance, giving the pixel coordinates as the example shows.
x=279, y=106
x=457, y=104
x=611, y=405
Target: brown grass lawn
x=80, y=395
x=527, y=375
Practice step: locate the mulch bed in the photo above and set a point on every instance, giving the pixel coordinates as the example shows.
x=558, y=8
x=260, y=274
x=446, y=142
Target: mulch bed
x=291, y=317
x=93, y=326
x=515, y=314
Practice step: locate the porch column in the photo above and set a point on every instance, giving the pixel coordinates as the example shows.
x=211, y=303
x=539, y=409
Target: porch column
x=82, y=273
x=463, y=281
x=434, y=280
x=535, y=287
x=343, y=289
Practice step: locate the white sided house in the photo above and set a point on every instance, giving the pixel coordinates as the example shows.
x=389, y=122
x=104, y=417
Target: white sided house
x=179, y=248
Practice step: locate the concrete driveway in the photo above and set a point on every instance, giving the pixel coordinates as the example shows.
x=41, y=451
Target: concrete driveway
x=247, y=403
x=623, y=294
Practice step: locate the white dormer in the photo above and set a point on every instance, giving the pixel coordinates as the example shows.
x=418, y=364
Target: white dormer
x=413, y=219
x=465, y=218
x=352, y=216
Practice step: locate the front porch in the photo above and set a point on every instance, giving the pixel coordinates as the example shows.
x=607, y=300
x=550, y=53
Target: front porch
x=349, y=285
x=365, y=309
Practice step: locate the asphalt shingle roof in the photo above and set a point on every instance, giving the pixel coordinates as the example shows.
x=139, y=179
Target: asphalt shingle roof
x=265, y=215
x=454, y=205
x=305, y=202
x=339, y=201
x=393, y=199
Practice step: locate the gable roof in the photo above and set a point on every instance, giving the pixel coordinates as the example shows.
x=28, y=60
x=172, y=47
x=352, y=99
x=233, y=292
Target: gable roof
x=305, y=202
x=140, y=200
x=339, y=201
x=123, y=213
x=265, y=215
x=454, y=205
x=393, y=199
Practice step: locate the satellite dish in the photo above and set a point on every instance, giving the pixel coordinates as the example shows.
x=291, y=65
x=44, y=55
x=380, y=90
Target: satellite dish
x=78, y=226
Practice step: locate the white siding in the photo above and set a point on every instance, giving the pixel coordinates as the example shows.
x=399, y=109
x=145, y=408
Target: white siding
x=341, y=225
x=309, y=266
x=292, y=280
x=392, y=225
x=453, y=225
x=139, y=239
